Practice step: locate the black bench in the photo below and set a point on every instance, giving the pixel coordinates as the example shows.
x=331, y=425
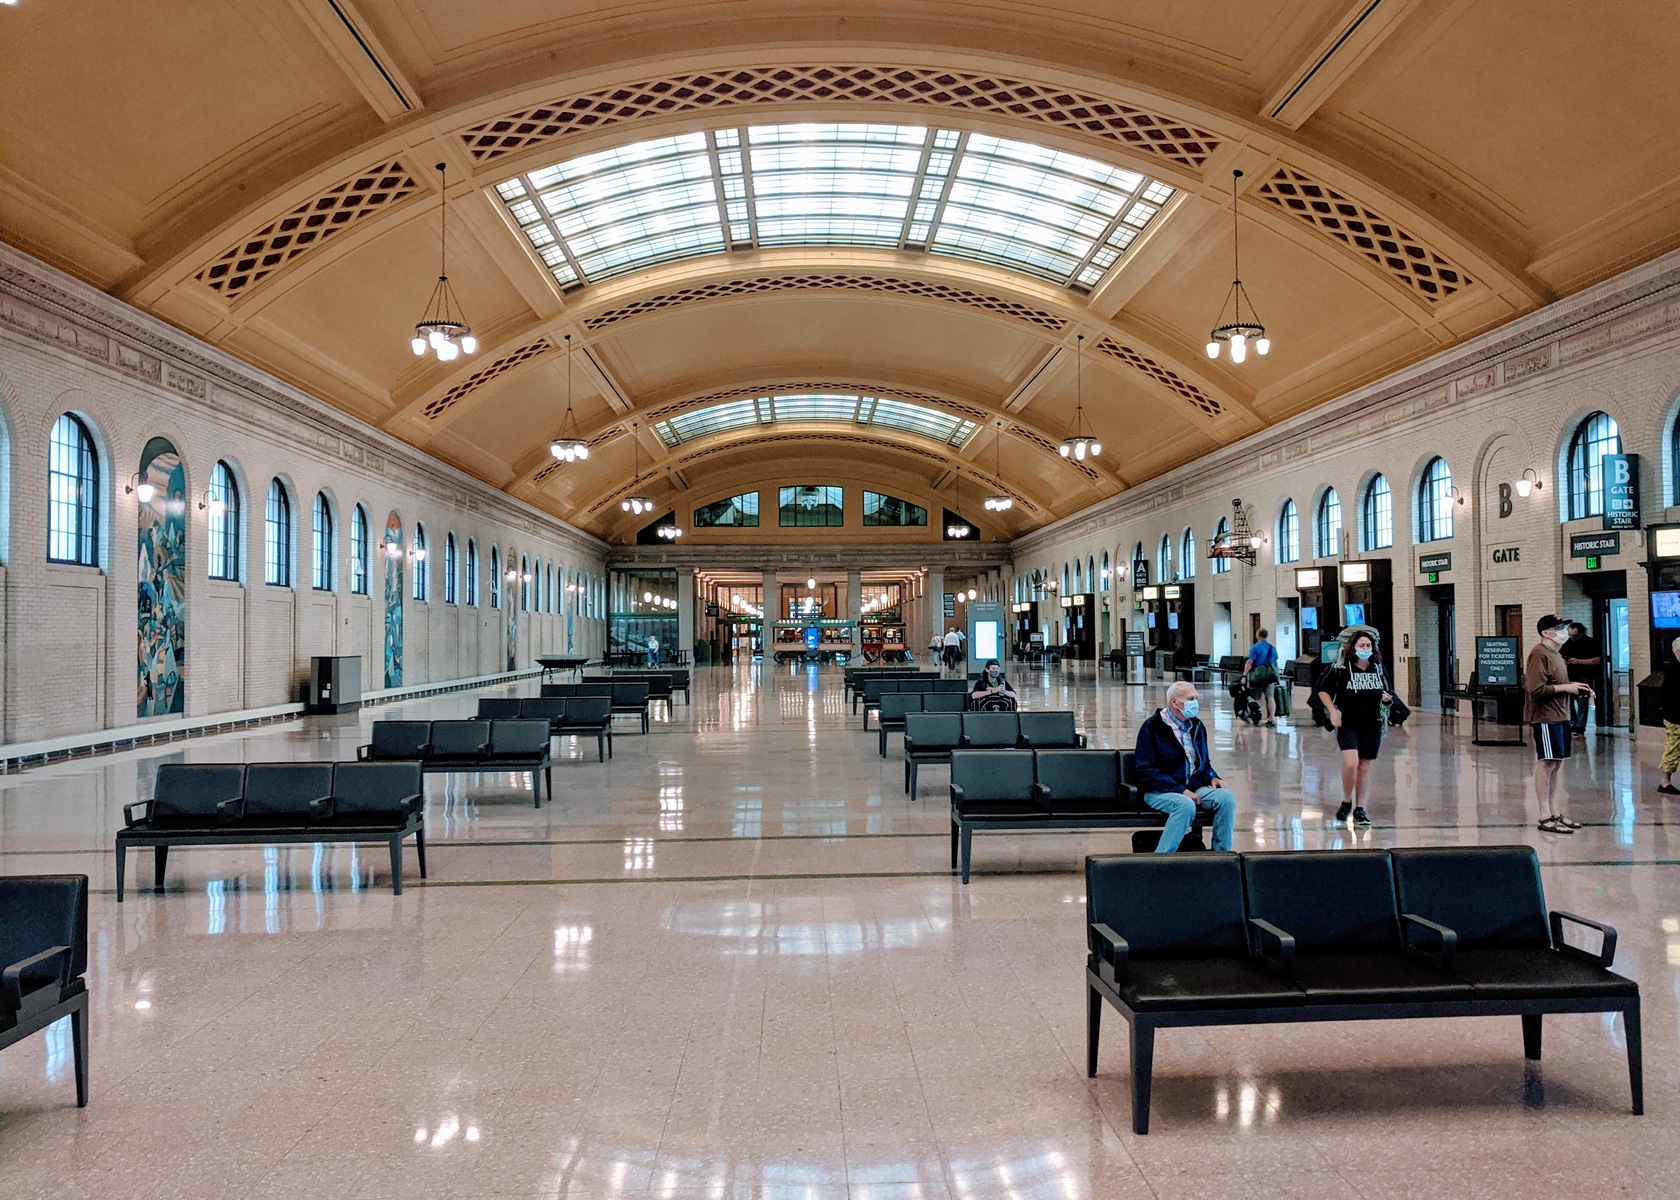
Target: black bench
x=629, y=699
x=43, y=958
x=931, y=743
x=1048, y=789
x=1336, y=935
x=871, y=690
x=677, y=677
x=229, y=804
x=659, y=684
x=895, y=706
x=575, y=716
x=467, y=747
x=1115, y=661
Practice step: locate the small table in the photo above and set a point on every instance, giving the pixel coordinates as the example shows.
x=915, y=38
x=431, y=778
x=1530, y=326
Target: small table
x=551, y=663
x=1484, y=707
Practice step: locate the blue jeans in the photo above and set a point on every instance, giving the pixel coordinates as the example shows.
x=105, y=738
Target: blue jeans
x=1181, y=810
x=653, y=658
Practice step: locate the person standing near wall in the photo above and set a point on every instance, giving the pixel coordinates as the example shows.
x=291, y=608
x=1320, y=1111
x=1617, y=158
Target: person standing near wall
x=1547, y=689
x=1585, y=659
x=1356, y=695
x=1671, y=720
x=1260, y=671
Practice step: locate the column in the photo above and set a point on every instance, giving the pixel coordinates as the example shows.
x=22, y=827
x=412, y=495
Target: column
x=771, y=607
x=854, y=612
x=934, y=590
x=685, y=610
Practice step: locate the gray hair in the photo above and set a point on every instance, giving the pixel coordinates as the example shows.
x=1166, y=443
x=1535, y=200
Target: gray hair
x=1180, y=690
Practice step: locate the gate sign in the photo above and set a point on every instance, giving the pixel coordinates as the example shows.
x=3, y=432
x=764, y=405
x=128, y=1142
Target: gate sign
x=1621, y=491
x=1135, y=641
x=1496, y=662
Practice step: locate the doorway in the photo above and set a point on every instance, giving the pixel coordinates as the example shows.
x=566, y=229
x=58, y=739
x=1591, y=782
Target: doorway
x=1507, y=618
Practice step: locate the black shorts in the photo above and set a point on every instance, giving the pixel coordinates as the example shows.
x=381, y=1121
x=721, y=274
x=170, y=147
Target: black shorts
x=1552, y=742
x=1367, y=739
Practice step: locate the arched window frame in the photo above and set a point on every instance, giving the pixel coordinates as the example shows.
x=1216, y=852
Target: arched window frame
x=1289, y=533
x=1187, y=556
x=1596, y=435
x=451, y=569
x=1221, y=532
x=524, y=583
x=1435, y=501
x=472, y=573
x=420, y=553
x=74, y=501
x=495, y=577
x=321, y=560
x=1164, y=559
x=1377, y=515
x=358, y=551
x=1327, y=525
x=223, y=522
x=279, y=536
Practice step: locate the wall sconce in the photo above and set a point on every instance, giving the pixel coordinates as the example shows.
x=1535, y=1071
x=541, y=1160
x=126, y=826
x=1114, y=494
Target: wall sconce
x=419, y=553
x=1457, y=496
x=393, y=549
x=811, y=584
x=1525, y=485
x=207, y=501
x=142, y=491
x=971, y=593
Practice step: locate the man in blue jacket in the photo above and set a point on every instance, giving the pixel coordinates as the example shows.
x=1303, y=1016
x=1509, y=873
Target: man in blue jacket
x=1175, y=774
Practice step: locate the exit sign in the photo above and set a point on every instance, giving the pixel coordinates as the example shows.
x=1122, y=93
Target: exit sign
x=1592, y=562
x=1434, y=577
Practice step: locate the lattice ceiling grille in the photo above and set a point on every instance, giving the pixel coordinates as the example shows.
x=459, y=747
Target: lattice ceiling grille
x=484, y=375
x=1163, y=375
x=306, y=227
x=1390, y=247
x=1152, y=133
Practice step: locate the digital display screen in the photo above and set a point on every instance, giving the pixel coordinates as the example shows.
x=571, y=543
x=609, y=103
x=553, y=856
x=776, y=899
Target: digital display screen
x=1309, y=618
x=1355, y=613
x=1172, y=620
x=1151, y=620
x=1665, y=610
x=986, y=641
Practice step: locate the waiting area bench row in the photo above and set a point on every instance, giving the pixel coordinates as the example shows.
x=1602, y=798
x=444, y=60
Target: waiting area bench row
x=628, y=699
x=929, y=738
x=43, y=962
x=573, y=716
x=661, y=683
x=1337, y=935
x=870, y=691
x=893, y=707
x=222, y=804
x=464, y=747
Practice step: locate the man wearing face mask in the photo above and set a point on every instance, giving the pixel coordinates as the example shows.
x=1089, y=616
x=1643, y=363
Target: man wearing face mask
x=1174, y=772
x=991, y=682
x=1547, y=690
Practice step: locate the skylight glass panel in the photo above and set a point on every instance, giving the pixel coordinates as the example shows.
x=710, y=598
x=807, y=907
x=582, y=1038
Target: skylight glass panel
x=929, y=423
x=831, y=409
x=735, y=414
x=816, y=408
x=1053, y=215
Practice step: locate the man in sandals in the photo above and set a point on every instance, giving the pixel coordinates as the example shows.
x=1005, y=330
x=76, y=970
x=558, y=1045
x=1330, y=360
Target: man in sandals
x=1547, y=690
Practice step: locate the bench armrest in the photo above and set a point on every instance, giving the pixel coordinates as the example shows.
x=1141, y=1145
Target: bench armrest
x=1443, y=954
x=129, y=810
x=957, y=793
x=323, y=808
x=1112, y=953
x=230, y=810
x=1081, y=739
x=1282, y=960
x=12, y=994
x=1042, y=794
x=413, y=804
x=363, y=753
x=1606, y=952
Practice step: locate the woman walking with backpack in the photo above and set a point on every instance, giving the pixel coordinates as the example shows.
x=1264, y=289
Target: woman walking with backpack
x=1356, y=695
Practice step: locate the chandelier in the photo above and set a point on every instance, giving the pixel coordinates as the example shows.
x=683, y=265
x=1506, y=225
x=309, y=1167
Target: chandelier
x=1238, y=330
x=1001, y=501
x=636, y=503
x=443, y=329
x=1240, y=542
x=670, y=531
x=1080, y=441
x=569, y=445
x=959, y=528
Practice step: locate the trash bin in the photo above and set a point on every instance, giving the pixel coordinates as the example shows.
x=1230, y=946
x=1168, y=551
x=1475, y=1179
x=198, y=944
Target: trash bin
x=335, y=683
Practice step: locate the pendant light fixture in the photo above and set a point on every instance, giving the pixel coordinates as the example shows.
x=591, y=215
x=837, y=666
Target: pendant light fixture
x=443, y=330
x=1080, y=441
x=1234, y=328
x=1000, y=502
x=636, y=502
x=959, y=528
x=569, y=445
x=670, y=531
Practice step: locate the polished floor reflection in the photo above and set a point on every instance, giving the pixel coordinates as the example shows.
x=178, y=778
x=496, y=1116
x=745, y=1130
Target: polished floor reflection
x=733, y=962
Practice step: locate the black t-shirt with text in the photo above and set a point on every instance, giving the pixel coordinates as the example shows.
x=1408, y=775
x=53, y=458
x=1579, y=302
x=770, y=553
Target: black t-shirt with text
x=1357, y=693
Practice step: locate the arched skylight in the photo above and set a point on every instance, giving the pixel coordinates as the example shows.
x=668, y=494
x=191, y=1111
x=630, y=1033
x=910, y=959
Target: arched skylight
x=851, y=410
x=1053, y=215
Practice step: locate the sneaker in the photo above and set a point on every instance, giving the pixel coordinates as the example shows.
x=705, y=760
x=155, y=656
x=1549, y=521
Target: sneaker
x=1359, y=817
x=1668, y=789
x=1552, y=825
x=1343, y=811
x=1271, y=721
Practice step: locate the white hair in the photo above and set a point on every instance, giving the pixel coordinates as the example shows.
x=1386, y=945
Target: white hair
x=1179, y=690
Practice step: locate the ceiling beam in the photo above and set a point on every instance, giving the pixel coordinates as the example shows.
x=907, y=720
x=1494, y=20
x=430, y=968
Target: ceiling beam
x=1354, y=36
x=366, y=61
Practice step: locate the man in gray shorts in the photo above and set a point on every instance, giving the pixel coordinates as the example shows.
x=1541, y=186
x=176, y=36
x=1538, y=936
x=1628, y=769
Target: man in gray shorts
x=1546, y=694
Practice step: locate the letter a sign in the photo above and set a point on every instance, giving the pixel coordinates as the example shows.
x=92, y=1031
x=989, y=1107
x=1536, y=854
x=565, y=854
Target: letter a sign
x=1621, y=491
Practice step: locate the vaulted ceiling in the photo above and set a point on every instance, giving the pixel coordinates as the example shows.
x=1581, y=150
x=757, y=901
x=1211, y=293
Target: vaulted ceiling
x=263, y=175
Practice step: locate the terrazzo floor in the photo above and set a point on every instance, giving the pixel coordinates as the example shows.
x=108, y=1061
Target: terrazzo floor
x=733, y=962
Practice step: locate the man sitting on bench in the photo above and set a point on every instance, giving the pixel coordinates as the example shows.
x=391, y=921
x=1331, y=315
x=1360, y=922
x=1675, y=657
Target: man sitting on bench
x=1174, y=772
x=990, y=683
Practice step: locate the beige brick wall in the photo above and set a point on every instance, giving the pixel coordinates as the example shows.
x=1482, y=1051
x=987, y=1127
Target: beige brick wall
x=70, y=641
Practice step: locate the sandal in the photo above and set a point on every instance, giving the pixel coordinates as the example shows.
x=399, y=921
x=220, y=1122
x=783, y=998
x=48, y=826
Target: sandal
x=1571, y=825
x=1668, y=789
x=1551, y=825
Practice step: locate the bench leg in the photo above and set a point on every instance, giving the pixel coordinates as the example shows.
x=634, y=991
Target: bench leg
x=1635, y=1056
x=1093, y=1027
x=79, y=1036
x=548, y=780
x=601, y=746
x=396, y=866
x=967, y=850
x=160, y=856
x=1143, y=1067
x=609, y=742
x=910, y=778
x=122, y=868
x=644, y=720
x=883, y=730
x=1531, y=1036
x=536, y=789
x=420, y=849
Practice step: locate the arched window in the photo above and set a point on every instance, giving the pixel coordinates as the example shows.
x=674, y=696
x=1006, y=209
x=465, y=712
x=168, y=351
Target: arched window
x=1163, y=559
x=495, y=577
x=537, y=587
x=223, y=521
x=549, y=587
x=1221, y=535
x=1327, y=525
x=358, y=551
x=1594, y=438
x=1377, y=515
x=472, y=572
x=72, y=494
x=1107, y=571
x=422, y=576
x=451, y=568
x=1091, y=572
x=321, y=566
x=1187, y=558
x=1435, y=497
x=524, y=583
x=277, y=537
x=1289, y=533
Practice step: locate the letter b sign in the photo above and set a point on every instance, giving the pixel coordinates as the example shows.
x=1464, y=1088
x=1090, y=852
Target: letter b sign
x=1504, y=501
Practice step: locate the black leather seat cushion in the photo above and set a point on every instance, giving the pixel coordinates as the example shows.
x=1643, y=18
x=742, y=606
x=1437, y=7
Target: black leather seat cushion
x=175, y=824
x=980, y=810
x=1169, y=984
x=1517, y=974
x=1105, y=808
x=1374, y=977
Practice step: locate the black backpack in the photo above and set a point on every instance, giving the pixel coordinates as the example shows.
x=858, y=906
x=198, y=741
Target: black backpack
x=1315, y=706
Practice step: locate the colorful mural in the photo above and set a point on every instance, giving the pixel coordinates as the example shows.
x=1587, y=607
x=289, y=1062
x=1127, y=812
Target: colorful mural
x=162, y=612
x=392, y=551
x=512, y=595
x=568, y=605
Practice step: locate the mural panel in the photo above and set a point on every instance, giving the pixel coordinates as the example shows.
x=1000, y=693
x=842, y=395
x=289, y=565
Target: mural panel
x=512, y=595
x=162, y=611
x=392, y=550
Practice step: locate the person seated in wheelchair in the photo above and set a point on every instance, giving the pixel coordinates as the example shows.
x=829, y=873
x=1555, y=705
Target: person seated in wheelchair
x=991, y=683
x=1243, y=702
